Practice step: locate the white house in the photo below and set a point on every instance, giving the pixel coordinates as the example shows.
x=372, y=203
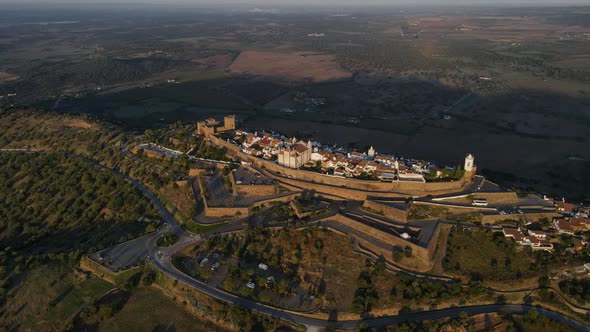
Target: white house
x=537, y=234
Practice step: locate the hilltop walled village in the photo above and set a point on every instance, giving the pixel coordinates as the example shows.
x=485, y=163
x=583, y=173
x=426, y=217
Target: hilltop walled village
x=388, y=189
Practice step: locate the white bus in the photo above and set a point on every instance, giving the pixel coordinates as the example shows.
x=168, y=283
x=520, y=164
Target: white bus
x=479, y=202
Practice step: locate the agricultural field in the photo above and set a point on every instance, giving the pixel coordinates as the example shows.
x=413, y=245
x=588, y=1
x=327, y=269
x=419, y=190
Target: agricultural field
x=291, y=67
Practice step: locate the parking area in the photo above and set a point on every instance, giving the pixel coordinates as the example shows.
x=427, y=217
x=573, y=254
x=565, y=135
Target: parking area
x=245, y=278
x=508, y=209
x=210, y=267
x=125, y=255
x=160, y=150
x=247, y=176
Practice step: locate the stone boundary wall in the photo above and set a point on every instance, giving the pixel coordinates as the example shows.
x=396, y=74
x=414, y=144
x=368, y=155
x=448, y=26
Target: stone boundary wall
x=388, y=211
x=349, y=188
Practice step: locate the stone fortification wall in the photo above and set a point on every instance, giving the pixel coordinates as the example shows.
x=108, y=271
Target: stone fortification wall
x=422, y=254
x=432, y=243
x=388, y=210
x=253, y=190
x=245, y=210
x=337, y=191
x=345, y=187
x=222, y=211
x=101, y=271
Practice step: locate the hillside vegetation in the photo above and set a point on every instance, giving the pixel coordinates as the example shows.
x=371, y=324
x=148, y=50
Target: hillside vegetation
x=485, y=255
x=54, y=207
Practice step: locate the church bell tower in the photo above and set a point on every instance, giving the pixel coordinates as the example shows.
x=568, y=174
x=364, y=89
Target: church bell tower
x=469, y=163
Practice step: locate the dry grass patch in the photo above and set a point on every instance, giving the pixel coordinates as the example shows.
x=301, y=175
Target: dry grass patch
x=181, y=197
x=6, y=77
x=289, y=66
x=76, y=123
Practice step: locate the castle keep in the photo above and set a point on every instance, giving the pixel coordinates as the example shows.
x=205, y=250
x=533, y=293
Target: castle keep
x=211, y=126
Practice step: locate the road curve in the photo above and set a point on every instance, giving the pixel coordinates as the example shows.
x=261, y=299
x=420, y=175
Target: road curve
x=161, y=259
x=165, y=266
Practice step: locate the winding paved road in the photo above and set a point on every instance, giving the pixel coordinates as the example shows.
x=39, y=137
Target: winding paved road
x=161, y=258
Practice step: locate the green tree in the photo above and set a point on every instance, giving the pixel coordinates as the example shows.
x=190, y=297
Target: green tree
x=408, y=251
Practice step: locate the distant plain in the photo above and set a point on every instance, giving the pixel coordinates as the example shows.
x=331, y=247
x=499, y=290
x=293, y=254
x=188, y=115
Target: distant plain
x=511, y=86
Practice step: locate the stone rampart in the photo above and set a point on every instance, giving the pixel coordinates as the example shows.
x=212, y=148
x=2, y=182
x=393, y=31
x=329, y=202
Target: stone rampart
x=388, y=211
x=423, y=254
x=346, y=187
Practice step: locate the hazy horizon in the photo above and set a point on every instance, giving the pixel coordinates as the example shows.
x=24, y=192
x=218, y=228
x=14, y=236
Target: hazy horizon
x=325, y=3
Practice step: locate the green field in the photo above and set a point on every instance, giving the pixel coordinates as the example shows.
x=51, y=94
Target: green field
x=196, y=228
x=147, y=309
x=49, y=297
